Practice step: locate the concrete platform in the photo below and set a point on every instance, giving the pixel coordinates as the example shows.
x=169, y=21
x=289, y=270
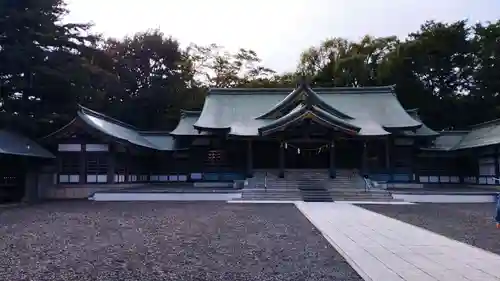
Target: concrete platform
x=445, y=198
x=165, y=196
x=384, y=249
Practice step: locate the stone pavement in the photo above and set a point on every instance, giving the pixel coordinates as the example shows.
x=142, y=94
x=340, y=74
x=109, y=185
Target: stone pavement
x=384, y=249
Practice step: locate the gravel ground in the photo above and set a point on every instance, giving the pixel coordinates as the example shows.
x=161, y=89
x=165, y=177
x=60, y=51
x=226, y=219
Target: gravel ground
x=85, y=240
x=469, y=223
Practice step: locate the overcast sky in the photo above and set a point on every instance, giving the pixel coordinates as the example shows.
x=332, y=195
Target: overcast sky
x=278, y=30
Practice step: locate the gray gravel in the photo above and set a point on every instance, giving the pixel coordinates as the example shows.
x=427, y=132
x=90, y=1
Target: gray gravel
x=469, y=223
x=85, y=240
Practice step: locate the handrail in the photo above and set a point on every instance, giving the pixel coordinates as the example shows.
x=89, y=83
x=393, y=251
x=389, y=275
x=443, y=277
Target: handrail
x=368, y=184
x=265, y=181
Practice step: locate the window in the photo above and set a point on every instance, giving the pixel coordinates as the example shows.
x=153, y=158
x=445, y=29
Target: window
x=216, y=157
x=96, y=147
x=97, y=167
x=69, y=167
x=69, y=147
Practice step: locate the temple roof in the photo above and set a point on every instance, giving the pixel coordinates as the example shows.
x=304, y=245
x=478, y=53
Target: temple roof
x=121, y=131
x=14, y=144
x=185, y=127
x=446, y=141
x=423, y=131
x=480, y=135
x=243, y=111
x=312, y=112
x=483, y=134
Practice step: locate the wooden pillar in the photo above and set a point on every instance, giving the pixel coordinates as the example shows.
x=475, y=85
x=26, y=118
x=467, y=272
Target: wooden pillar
x=111, y=163
x=497, y=169
x=127, y=164
x=249, y=159
x=364, y=159
x=282, y=160
x=388, y=162
x=83, y=164
x=414, y=164
x=333, y=172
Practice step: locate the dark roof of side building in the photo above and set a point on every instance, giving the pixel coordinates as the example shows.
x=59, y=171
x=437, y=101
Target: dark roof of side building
x=480, y=135
x=15, y=144
x=121, y=131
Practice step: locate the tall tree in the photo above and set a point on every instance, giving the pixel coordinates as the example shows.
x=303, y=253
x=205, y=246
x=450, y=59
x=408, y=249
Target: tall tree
x=484, y=97
x=154, y=79
x=40, y=67
x=217, y=67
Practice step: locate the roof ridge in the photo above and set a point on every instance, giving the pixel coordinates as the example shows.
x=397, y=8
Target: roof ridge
x=454, y=132
x=107, y=118
x=153, y=132
x=185, y=112
x=321, y=90
x=490, y=122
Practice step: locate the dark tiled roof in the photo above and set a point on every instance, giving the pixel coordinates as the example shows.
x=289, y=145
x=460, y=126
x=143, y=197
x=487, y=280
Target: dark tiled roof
x=447, y=141
x=484, y=134
x=423, y=131
x=14, y=144
x=244, y=111
x=186, y=124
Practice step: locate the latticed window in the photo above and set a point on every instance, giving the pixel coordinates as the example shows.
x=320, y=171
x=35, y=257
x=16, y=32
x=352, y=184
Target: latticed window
x=69, y=167
x=216, y=157
x=97, y=167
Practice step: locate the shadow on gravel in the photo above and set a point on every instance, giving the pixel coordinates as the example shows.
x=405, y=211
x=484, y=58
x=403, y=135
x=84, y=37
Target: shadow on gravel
x=469, y=223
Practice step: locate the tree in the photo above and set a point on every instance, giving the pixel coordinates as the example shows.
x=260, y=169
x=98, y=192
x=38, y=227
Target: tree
x=484, y=97
x=41, y=70
x=339, y=62
x=154, y=80
x=216, y=67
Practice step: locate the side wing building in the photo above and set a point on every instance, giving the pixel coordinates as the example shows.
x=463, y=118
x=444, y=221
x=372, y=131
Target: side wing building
x=241, y=131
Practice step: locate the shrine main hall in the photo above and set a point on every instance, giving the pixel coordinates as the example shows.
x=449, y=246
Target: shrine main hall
x=241, y=131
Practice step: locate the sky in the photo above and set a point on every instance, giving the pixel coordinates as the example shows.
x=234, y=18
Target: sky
x=278, y=30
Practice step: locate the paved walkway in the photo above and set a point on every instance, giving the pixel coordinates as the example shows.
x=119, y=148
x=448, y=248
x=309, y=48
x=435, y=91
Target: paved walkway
x=384, y=249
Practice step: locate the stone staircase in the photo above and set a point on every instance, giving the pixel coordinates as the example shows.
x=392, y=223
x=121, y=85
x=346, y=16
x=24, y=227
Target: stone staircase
x=311, y=186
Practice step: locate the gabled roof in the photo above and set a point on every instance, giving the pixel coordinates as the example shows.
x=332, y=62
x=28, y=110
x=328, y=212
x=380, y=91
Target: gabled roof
x=423, y=131
x=446, y=141
x=14, y=144
x=185, y=127
x=304, y=94
x=121, y=131
x=483, y=134
x=113, y=127
x=312, y=112
x=243, y=111
x=480, y=135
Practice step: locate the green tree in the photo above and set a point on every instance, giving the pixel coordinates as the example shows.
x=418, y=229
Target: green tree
x=41, y=70
x=154, y=80
x=216, y=67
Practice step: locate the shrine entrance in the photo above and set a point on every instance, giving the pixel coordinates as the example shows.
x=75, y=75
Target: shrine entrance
x=307, y=156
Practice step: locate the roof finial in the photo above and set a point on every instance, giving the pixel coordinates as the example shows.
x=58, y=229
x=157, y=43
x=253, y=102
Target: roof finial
x=303, y=80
